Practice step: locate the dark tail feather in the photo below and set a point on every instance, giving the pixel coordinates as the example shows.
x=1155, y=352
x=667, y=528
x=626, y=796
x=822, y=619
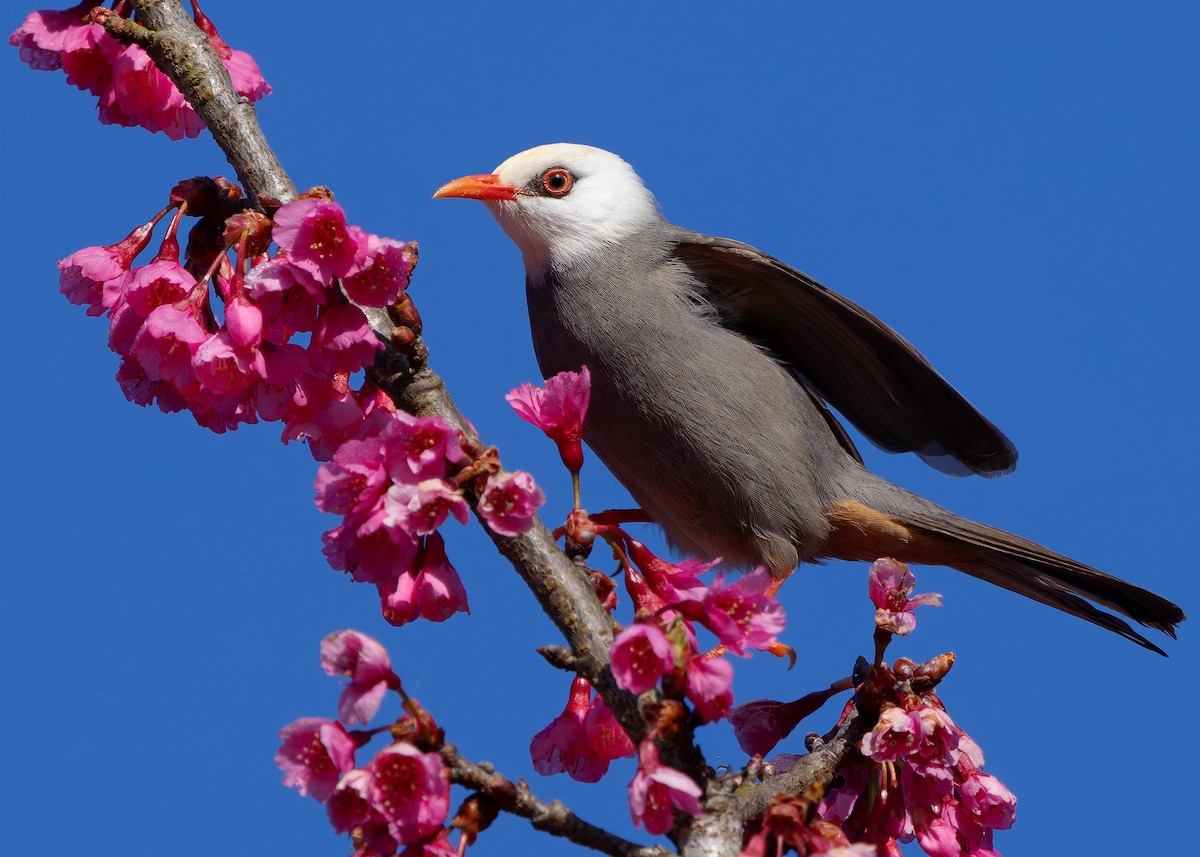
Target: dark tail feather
x=1029, y=569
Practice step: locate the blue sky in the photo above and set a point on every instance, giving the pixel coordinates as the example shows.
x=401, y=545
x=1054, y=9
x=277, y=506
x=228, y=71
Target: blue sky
x=1011, y=186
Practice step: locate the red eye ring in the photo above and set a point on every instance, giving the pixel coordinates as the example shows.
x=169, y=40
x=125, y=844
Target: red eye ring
x=558, y=182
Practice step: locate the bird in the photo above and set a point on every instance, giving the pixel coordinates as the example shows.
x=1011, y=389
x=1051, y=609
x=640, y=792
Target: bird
x=716, y=370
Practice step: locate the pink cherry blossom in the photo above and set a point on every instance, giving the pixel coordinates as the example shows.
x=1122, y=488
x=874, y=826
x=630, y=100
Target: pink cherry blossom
x=87, y=58
x=167, y=343
x=314, y=755
x=365, y=662
x=343, y=340
x=760, y=724
x=354, y=481
x=437, y=588
x=422, y=508
x=288, y=295
x=939, y=796
x=349, y=807
x=604, y=732
x=398, y=601
x=129, y=88
x=123, y=326
x=243, y=70
x=418, y=448
x=327, y=413
x=314, y=234
x=708, y=683
x=672, y=582
x=275, y=394
x=558, y=410
x=656, y=788
x=84, y=273
x=163, y=281
x=889, y=584
x=509, y=502
x=245, y=75
x=564, y=745
x=641, y=655
x=646, y=600
x=741, y=614
x=895, y=735
x=134, y=384
x=147, y=96
x=244, y=321
x=410, y=790
x=987, y=800
x=376, y=556
x=41, y=37
x=225, y=368
x=384, y=273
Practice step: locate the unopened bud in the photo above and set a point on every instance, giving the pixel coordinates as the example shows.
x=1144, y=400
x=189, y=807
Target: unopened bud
x=418, y=727
x=580, y=528
x=254, y=225
x=403, y=313
x=930, y=673
x=230, y=192
x=318, y=192
x=200, y=194
x=402, y=339
x=475, y=815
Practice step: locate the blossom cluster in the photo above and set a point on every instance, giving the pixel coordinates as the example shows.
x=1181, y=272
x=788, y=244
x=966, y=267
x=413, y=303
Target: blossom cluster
x=762, y=723
x=263, y=337
x=660, y=648
x=917, y=775
x=235, y=361
x=129, y=87
x=395, y=486
x=401, y=797
x=920, y=778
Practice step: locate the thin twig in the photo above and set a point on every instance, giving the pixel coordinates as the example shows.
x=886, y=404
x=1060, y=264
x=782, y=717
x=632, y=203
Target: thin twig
x=553, y=818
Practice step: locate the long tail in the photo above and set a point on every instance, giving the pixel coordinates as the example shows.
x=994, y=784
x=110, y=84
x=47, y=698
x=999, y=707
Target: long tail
x=911, y=529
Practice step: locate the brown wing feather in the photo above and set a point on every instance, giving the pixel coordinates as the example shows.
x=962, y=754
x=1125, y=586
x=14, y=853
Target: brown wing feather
x=862, y=367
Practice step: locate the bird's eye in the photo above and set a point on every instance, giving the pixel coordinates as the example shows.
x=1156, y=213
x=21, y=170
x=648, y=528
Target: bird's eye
x=558, y=182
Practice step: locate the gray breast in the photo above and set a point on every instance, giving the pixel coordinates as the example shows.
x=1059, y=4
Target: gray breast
x=709, y=434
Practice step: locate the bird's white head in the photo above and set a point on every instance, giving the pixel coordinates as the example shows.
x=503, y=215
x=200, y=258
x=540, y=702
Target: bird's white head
x=561, y=203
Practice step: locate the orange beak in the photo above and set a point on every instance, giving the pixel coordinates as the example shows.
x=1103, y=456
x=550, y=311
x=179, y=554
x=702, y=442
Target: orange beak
x=477, y=187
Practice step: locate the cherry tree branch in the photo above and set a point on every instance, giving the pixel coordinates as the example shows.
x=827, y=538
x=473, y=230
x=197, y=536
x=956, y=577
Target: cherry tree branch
x=818, y=766
x=183, y=53
x=553, y=818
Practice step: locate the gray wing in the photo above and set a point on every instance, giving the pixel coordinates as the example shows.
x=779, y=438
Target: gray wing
x=862, y=367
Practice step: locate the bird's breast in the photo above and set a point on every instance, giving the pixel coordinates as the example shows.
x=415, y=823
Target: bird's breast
x=710, y=435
